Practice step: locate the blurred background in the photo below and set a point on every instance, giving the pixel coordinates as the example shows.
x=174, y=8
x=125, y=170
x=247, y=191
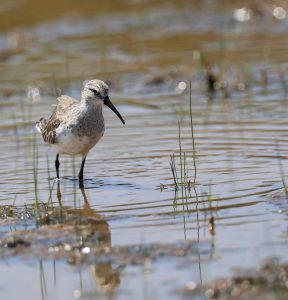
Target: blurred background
x=168, y=238
x=134, y=44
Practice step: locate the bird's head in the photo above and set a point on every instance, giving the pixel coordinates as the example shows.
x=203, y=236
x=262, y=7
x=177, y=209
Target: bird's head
x=98, y=91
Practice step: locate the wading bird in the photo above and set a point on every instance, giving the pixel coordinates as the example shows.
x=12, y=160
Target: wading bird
x=76, y=126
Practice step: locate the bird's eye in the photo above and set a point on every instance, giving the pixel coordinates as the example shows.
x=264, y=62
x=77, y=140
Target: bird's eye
x=96, y=93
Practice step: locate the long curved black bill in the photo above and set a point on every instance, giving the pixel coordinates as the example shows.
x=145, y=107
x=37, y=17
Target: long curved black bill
x=108, y=102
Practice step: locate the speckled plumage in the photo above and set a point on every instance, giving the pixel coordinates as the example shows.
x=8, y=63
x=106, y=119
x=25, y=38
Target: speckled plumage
x=76, y=126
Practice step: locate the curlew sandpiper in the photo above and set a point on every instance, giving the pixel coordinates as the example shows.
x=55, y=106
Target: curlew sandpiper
x=76, y=126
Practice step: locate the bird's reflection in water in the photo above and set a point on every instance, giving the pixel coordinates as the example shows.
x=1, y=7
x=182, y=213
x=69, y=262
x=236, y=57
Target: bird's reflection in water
x=92, y=228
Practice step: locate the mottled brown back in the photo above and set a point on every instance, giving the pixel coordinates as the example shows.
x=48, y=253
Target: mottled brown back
x=49, y=126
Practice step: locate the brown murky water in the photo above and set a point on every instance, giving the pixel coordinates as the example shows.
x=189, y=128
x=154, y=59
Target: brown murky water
x=130, y=234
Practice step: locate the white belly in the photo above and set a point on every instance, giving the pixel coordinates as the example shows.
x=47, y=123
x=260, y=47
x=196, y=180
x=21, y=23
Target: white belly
x=73, y=144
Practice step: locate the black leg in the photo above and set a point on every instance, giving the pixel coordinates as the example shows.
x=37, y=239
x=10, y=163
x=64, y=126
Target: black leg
x=57, y=165
x=81, y=185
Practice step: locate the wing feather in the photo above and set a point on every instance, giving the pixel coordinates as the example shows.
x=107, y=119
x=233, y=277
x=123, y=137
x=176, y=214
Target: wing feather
x=64, y=104
x=58, y=115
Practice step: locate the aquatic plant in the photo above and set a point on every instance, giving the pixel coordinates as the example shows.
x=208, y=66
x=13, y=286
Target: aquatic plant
x=282, y=174
x=192, y=133
x=184, y=178
x=35, y=171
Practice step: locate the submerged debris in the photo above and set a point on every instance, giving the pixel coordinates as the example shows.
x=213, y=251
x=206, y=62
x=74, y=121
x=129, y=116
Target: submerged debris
x=270, y=281
x=13, y=243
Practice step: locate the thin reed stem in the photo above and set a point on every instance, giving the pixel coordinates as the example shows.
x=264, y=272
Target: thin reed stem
x=192, y=135
x=281, y=171
x=173, y=170
x=180, y=150
x=35, y=171
x=185, y=170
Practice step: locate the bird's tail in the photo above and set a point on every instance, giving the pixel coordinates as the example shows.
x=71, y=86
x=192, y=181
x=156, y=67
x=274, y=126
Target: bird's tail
x=41, y=124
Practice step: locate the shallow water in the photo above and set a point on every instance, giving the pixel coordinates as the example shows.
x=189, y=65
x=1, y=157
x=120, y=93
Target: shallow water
x=240, y=135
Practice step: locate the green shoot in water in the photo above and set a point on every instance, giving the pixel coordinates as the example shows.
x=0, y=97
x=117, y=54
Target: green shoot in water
x=184, y=178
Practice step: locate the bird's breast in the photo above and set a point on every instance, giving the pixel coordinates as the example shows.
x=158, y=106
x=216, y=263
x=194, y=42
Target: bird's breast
x=80, y=135
x=69, y=143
